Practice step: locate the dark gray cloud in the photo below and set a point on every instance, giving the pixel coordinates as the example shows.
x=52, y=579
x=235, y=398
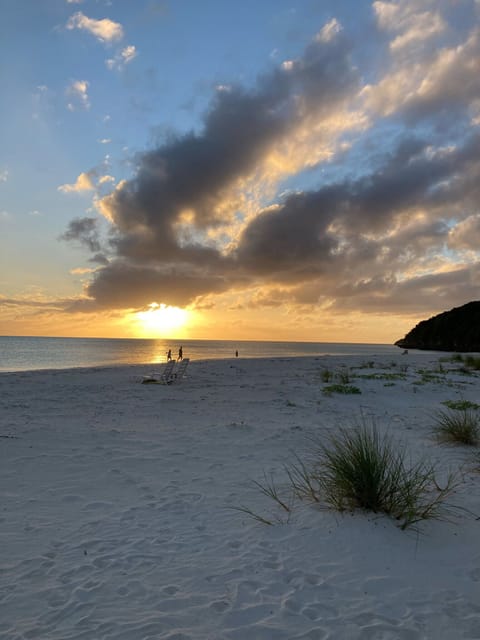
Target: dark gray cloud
x=84, y=231
x=123, y=286
x=291, y=240
x=343, y=241
x=415, y=295
x=365, y=223
x=192, y=172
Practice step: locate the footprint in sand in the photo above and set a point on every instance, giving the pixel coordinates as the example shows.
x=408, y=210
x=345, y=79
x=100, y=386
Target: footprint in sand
x=474, y=574
x=170, y=590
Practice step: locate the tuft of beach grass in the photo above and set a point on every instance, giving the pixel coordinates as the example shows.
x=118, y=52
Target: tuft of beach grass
x=458, y=427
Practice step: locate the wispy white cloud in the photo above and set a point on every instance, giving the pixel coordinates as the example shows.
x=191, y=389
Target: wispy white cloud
x=105, y=30
x=105, y=141
x=77, y=91
x=450, y=75
x=123, y=57
x=80, y=271
x=82, y=184
x=4, y=175
x=410, y=21
x=329, y=31
x=105, y=179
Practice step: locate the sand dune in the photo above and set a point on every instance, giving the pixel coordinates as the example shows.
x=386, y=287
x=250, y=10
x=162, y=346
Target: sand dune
x=116, y=517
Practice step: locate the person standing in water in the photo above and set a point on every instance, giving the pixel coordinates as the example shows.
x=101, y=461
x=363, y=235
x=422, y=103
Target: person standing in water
x=180, y=353
x=169, y=355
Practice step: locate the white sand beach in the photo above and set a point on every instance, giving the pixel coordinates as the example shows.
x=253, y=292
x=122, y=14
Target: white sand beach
x=116, y=519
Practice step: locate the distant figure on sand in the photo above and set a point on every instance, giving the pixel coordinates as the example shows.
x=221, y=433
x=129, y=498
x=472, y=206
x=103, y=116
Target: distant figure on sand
x=236, y=354
x=180, y=353
x=169, y=355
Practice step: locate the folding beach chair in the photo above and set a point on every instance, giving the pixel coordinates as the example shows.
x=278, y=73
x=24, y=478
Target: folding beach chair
x=180, y=371
x=163, y=377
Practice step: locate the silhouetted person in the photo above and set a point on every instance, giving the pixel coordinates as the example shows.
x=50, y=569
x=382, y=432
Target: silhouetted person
x=236, y=354
x=169, y=355
x=180, y=353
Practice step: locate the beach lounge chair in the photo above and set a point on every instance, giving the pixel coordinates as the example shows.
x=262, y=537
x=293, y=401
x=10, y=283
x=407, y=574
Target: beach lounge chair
x=180, y=371
x=163, y=377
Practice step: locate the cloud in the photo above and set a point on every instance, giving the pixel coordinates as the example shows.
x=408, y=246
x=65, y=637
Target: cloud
x=410, y=23
x=122, y=286
x=81, y=271
x=85, y=231
x=82, y=184
x=466, y=234
x=201, y=178
x=428, y=76
x=4, y=174
x=104, y=30
x=77, y=91
x=106, y=179
x=390, y=225
x=123, y=57
x=353, y=239
x=27, y=301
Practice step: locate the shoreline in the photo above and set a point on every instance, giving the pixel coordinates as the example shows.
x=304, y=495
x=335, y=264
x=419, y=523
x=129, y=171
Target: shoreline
x=232, y=359
x=119, y=501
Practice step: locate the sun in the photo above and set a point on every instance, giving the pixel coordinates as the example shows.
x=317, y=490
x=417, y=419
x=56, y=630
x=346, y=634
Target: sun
x=161, y=320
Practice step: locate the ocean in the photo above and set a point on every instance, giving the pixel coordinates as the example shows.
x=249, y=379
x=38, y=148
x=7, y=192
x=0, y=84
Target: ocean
x=31, y=353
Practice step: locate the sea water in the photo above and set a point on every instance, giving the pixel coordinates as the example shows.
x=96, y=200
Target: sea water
x=29, y=353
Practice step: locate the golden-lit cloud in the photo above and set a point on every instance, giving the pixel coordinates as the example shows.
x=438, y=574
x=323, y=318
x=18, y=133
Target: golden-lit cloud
x=106, y=179
x=105, y=30
x=77, y=92
x=81, y=271
x=422, y=79
x=409, y=21
x=83, y=183
x=123, y=57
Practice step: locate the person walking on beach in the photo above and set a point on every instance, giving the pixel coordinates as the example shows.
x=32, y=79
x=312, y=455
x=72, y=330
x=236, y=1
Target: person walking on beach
x=180, y=353
x=169, y=355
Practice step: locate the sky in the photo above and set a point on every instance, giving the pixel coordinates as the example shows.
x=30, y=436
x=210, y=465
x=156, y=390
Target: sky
x=301, y=170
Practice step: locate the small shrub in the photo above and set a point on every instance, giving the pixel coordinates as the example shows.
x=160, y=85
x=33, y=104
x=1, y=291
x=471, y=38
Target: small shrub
x=361, y=469
x=326, y=375
x=458, y=427
x=461, y=405
x=472, y=362
x=341, y=388
x=344, y=376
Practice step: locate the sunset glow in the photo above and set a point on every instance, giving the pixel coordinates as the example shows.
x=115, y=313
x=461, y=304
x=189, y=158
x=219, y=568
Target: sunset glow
x=278, y=170
x=160, y=321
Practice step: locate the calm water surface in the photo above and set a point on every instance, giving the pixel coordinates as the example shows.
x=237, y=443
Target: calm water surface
x=25, y=353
